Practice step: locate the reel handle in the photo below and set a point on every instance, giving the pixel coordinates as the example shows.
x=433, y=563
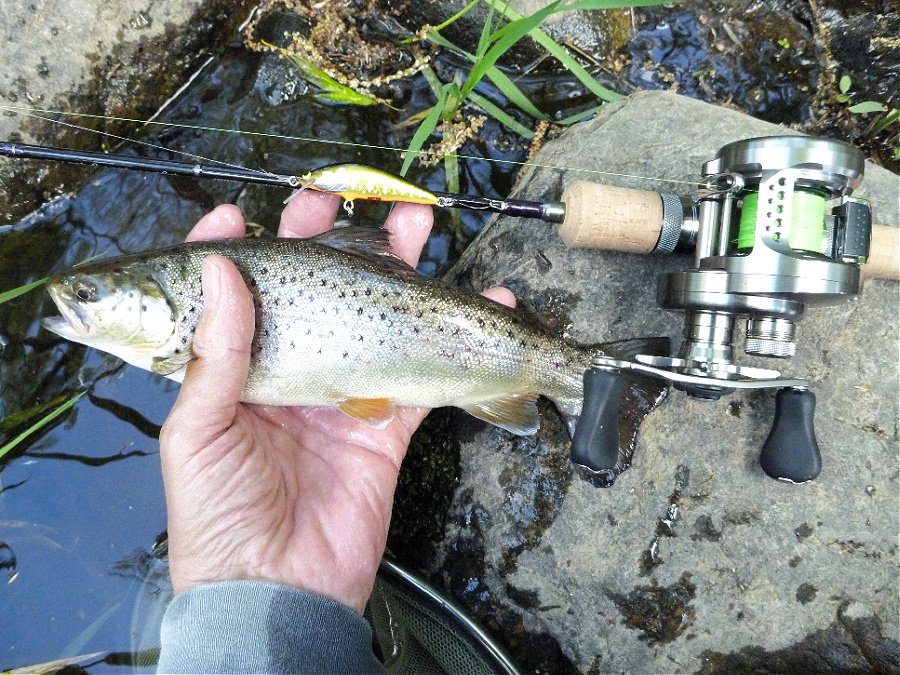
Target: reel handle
x=791, y=452
x=595, y=445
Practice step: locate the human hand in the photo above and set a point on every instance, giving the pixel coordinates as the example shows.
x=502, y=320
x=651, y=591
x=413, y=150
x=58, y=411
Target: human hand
x=299, y=496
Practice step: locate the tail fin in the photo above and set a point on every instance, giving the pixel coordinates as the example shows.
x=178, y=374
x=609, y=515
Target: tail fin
x=639, y=395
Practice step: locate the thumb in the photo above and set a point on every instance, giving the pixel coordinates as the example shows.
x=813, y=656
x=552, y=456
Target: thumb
x=207, y=403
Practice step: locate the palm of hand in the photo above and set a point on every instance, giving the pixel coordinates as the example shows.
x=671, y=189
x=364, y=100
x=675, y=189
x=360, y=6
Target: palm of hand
x=299, y=496
x=298, y=490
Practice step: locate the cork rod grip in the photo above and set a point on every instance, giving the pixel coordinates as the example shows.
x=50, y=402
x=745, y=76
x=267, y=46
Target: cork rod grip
x=884, y=254
x=611, y=218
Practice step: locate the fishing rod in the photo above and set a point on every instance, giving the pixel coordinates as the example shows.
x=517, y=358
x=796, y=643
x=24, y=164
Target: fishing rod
x=775, y=227
x=351, y=181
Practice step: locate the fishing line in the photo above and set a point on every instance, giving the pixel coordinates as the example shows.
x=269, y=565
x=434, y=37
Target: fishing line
x=124, y=139
x=37, y=112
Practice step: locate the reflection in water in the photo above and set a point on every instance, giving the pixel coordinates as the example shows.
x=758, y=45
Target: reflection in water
x=127, y=414
x=88, y=460
x=151, y=569
x=8, y=563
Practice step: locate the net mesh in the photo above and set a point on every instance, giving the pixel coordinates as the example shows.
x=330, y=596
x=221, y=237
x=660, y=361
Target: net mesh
x=419, y=632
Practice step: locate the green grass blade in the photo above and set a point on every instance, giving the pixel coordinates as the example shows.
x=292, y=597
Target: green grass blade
x=590, y=5
x=578, y=117
x=461, y=13
x=40, y=424
x=426, y=128
x=21, y=290
x=567, y=60
x=504, y=39
x=484, y=40
x=508, y=88
x=569, y=63
x=332, y=89
x=432, y=79
x=501, y=116
x=451, y=174
x=886, y=121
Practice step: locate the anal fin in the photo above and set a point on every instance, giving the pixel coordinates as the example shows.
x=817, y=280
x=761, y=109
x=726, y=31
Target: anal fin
x=517, y=413
x=374, y=411
x=171, y=364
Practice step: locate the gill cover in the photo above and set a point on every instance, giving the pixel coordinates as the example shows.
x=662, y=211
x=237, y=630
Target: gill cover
x=119, y=310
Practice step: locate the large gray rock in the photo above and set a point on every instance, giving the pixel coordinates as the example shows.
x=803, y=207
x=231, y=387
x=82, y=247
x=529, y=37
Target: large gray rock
x=694, y=559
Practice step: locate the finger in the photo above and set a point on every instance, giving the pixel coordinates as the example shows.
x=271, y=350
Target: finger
x=309, y=213
x=207, y=402
x=409, y=225
x=222, y=222
x=500, y=294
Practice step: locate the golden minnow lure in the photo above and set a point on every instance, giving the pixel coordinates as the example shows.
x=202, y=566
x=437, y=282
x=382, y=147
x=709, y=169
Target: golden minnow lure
x=358, y=181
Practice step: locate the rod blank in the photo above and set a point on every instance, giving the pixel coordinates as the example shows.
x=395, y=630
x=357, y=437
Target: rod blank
x=553, y=212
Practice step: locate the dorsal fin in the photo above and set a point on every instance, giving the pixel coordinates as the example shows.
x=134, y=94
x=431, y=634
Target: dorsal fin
x=371, y=243
x=517, y=413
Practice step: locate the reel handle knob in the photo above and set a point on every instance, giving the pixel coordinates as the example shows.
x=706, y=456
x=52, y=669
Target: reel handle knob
x=791, y=452
x=595, y=445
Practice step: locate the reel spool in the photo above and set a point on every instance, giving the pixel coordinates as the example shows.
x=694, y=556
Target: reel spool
x=775, y=228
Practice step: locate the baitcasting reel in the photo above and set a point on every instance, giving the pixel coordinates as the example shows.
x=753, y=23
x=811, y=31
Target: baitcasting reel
x=775, y=228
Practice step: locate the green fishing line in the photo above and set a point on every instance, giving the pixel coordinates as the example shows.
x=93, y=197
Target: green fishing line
x=806, y=230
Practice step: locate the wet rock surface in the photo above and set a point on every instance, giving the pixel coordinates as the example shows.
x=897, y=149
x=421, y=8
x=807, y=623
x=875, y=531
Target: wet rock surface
x=121, y=59
x=695, y=559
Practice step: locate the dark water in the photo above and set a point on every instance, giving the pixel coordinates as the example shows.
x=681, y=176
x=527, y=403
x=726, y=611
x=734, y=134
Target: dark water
x=82, y=507
x=82, y=503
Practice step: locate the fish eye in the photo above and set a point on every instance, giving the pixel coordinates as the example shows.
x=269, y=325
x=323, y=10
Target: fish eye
x=83, y=290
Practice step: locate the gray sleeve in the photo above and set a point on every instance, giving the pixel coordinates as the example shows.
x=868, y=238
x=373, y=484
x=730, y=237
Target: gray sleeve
x=257, y=627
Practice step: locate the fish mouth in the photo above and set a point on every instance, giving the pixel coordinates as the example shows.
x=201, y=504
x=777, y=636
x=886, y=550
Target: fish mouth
x=72, y=323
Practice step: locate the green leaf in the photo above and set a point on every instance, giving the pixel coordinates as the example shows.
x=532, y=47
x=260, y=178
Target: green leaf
x=501, y=116
x=508, y=88
x=578, y=117
x=426, y=128
x=333, y=90
x=349, y=97
x=498, y=77
x=867, y=107
x=41, y=423
x=21, y=290
x=503, y=40
x=844, y=84
x=885, y=121
x=55, y=666
x=562, y=55
x=611, y=4
x=484, y=40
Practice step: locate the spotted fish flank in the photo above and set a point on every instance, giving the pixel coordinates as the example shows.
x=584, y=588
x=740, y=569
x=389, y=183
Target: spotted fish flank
x=339, y=321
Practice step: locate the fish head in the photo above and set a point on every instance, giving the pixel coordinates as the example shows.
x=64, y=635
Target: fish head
x=118, y=309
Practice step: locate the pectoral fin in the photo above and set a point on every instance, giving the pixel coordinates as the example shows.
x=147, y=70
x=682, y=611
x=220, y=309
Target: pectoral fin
x=170, y=364
x=517, y=413
x=374, y=411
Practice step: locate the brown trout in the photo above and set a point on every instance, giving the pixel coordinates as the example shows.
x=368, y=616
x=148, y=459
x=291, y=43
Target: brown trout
x=339, y=321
